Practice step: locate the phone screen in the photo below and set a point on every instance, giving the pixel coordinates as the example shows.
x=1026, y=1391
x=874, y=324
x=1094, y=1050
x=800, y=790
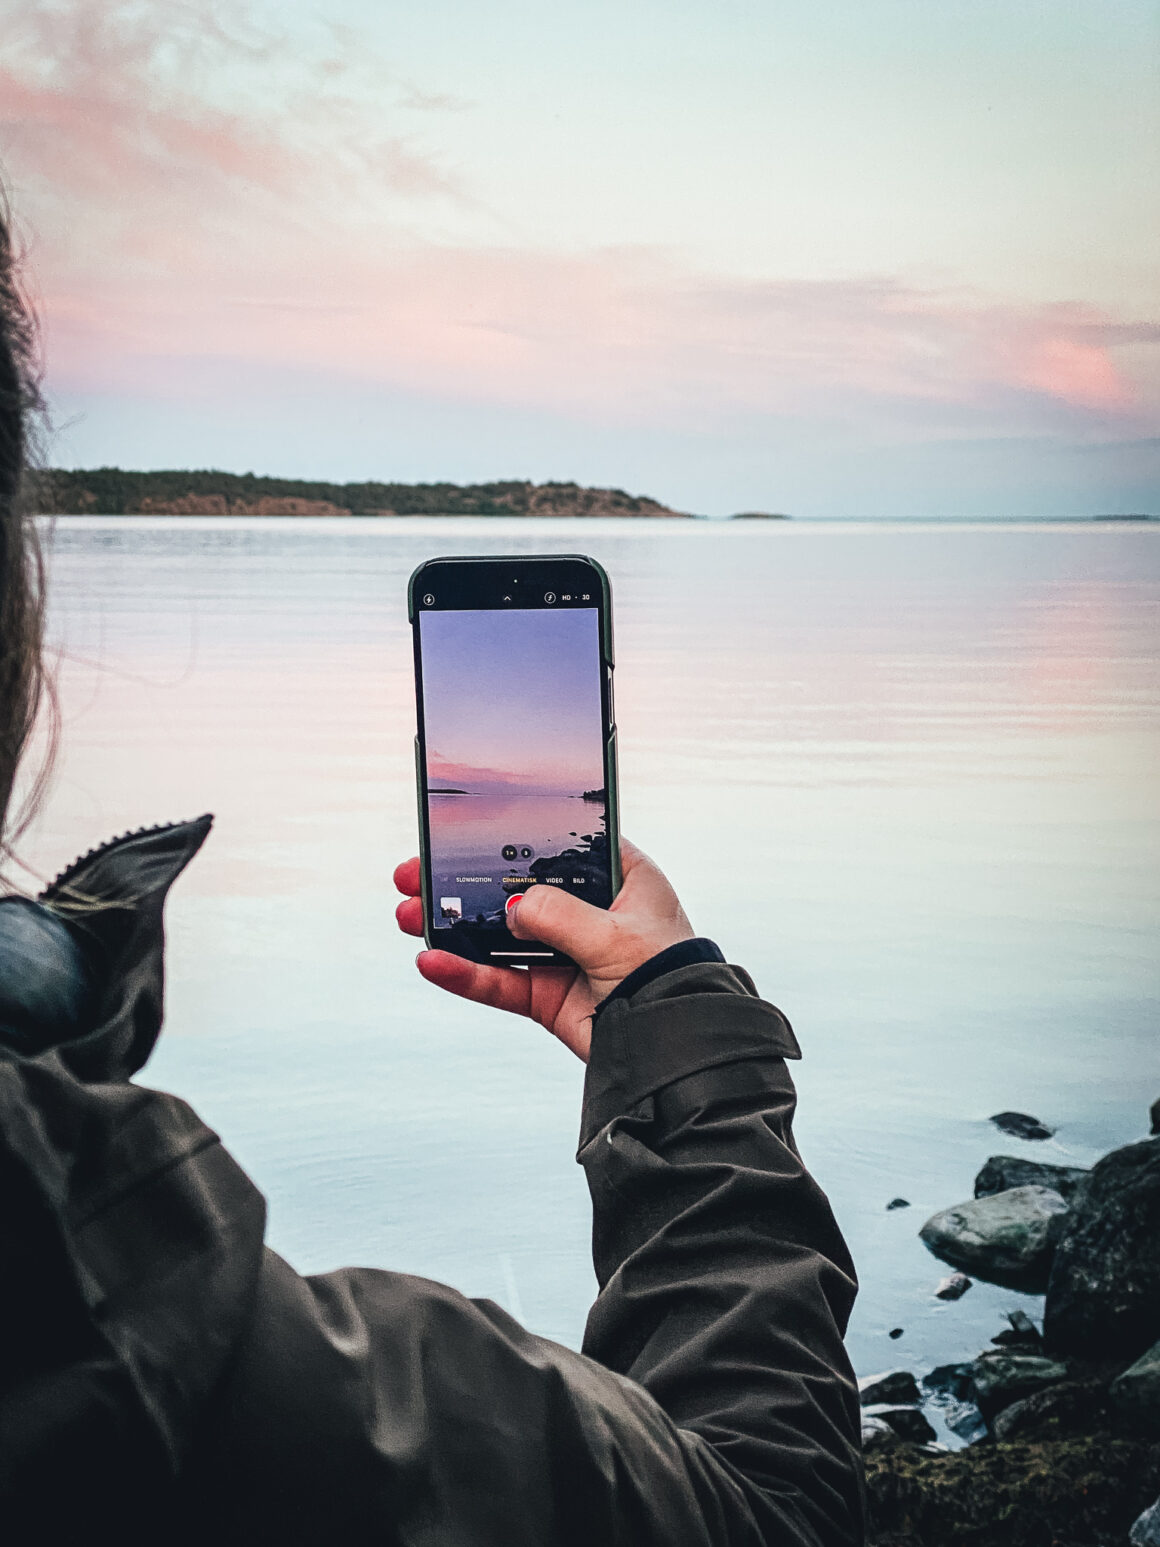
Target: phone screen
x=514, y=745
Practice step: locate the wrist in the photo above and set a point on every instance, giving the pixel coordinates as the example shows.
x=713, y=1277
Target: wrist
x=682, y=953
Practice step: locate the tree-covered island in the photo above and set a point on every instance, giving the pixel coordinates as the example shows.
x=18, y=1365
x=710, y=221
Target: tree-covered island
x=115, y=491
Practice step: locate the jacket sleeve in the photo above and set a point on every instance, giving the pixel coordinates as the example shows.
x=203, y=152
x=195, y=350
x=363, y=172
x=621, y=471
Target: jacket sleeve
x=725, y=1285
x=712, y=1405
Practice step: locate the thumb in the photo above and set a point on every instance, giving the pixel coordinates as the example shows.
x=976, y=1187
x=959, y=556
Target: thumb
x=556, y=918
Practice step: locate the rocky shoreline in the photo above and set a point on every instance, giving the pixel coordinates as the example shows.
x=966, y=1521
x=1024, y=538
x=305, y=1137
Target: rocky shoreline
x=1061, y=1423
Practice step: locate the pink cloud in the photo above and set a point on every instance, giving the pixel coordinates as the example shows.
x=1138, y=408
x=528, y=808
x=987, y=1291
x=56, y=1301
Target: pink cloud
x=1074, y=370
x=174, y=225
x=188, y=113
x=546, y=776
x=614, y=335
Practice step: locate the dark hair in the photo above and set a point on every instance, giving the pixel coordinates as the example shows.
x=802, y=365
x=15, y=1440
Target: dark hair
x=23, y=682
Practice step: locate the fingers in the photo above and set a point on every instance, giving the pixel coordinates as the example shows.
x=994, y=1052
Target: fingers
x=407, y=878
x=504, y=988
x=645, y=917
x=558, y=919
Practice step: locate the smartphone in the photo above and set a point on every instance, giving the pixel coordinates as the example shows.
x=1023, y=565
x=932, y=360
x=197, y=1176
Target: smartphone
x=516, y=747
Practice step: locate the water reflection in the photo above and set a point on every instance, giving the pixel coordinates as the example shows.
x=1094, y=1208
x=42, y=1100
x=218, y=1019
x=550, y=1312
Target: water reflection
x=906, y=776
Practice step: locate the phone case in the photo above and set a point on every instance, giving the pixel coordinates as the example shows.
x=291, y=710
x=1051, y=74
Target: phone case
x=608, y=663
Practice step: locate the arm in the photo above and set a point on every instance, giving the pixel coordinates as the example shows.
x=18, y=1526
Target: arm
x=725, y=1285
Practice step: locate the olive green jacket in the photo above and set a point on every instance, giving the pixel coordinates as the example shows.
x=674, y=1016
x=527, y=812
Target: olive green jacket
x=165, y=1375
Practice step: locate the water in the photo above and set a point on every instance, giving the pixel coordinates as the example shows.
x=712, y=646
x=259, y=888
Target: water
x=906, y=775
x=470, y=833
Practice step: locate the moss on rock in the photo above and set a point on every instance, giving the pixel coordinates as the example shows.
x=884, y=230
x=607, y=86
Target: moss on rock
x=1073, y=1491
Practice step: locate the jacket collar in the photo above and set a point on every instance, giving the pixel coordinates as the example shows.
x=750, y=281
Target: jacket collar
x=81, y=967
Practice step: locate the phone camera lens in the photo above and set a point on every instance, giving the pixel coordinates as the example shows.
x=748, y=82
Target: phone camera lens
x=549, y=597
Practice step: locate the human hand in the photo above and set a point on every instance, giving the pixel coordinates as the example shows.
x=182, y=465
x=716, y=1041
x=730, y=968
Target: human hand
x=605, y=943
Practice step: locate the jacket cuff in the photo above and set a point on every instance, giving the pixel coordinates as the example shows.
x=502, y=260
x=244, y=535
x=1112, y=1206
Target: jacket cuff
x=689, y=1019
x=684, y=954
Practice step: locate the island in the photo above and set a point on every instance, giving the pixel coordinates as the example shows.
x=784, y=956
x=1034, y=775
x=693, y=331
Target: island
x=115, y=491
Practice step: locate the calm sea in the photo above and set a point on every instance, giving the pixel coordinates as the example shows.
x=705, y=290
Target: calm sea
x=908, y=776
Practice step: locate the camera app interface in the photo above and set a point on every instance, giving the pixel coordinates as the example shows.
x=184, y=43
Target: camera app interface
x=515, y=760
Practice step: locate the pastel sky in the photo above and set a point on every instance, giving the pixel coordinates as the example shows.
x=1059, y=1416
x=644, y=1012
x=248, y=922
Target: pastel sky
x=832, y=257
x=512, y=699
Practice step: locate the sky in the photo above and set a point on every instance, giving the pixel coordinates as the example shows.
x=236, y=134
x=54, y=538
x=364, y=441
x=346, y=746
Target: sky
x=837, y=258
x=513, y=698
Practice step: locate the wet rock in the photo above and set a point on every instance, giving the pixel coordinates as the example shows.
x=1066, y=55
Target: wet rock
x=1069, y=1407
x=1005, y=1425
x=893, y=1386
x=1137, y=1390
x=894, y=1333
x=965, y=1420
x=1001, y=1379
x=1005, y=1171
x=1145, y=1530
x=1022, y=1333
x=898, y=1203
x=875, y=1433
x=953, y=1288
x=951, y=1389
x=907, y=1422
x=1022, y=1126
x=951, y=1381
x=1007, y=1238
x=1154, y=1114
x=1103, y=1295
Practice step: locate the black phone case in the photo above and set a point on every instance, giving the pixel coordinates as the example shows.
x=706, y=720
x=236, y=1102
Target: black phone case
x=612, y=814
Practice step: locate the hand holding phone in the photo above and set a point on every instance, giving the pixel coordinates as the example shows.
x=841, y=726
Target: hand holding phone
x=606, y=945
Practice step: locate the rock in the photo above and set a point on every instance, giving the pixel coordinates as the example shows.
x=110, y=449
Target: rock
x=875, y=1433
x=951, y=1381
x=953, y=1288
x=1154, y=1114
x=951, y=1389
x=1145, y=1531
x=1137, y=1390
x=1103, y=1295
x=1001, y=1378
x=1007, y=1238
x=1005, y=1425
x=1020, y=1126
x=895, y=1332
x=894, y=1386
x=898, y=1203
x=1021, y=1333
x=907, y=1422
x=1076, y=1492
x=965, y=1420
x=1004, y=1171
x=1070, y=1407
